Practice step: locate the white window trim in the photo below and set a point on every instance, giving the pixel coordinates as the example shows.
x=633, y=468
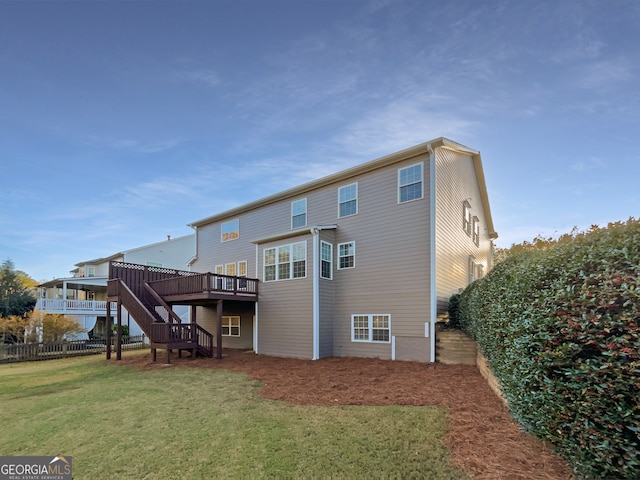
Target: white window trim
x=466, y=217
x=229, y=326
x=475, y=230
x=354, y=255
x=305, y=213
x=475, y=270
x=291, y=262
x=370, y=327
x=239, y=269
x=330, y=277
x=421, y=182
x=356, y=200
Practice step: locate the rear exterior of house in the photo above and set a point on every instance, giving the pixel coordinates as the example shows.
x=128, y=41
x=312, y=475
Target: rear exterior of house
x=359, y=263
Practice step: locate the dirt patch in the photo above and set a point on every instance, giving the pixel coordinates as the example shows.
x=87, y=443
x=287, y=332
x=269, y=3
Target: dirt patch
x=483, y=439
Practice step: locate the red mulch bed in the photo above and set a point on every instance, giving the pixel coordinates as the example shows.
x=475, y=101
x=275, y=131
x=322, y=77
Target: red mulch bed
x=483, y=439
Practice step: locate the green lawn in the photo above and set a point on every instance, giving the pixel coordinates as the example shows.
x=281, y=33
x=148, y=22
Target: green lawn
x=119, y=422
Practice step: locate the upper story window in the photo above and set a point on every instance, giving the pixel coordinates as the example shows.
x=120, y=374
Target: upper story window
x=326, y=267
x=230, y=230
x=410, y=183
x=348, y=200
x=285, y=262
x=91, y=271
x=299, y=213
x=476, y=231
x=346, y=255
x=466, y=217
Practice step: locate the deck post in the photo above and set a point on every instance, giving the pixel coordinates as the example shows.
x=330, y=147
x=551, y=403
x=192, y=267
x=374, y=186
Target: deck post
x=119, y=332
x=219, y=331
x=108, y=321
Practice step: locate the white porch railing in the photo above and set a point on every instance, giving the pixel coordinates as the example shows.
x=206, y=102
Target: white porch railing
x=75, y=307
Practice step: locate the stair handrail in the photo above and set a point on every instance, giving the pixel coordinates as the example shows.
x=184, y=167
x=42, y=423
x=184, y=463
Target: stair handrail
x=172, y=315
x=205, y=347
x=133, y=305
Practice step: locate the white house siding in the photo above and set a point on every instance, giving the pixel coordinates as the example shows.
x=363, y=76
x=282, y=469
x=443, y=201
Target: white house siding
x=174, y=253
x=455, y=183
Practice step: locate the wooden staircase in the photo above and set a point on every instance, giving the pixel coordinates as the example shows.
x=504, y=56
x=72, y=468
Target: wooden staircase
x=156, y=318
x=455, y=347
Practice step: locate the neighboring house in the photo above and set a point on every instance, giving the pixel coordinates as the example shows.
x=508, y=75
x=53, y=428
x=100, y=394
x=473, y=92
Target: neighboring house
x=359, y=263
x=83, y=295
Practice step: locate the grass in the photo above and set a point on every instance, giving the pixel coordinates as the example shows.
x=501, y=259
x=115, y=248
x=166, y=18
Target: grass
x=120, y=422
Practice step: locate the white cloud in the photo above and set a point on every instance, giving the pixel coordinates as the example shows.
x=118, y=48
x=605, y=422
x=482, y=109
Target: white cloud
x=583, y=165
x=400, y=125
x=605, y=74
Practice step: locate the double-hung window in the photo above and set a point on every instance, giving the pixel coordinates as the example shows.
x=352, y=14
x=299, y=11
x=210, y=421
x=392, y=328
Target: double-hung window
x=285, y=262
x=410, y=183
x=229, y=269
x=299, y=213
x=346, y=255
x=475, y=270
x=466, y=217
x=348, y=200
x=326, y=260
x=476, y=231
x=242, y=273
x=371, y=328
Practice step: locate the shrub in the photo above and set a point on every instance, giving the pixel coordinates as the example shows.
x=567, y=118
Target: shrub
x=454, y=311
x=560, y=327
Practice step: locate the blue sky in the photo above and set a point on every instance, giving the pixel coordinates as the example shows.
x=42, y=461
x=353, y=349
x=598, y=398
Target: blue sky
x=122, y=122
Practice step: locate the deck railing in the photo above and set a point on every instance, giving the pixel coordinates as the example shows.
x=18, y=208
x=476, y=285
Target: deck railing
x=206, y=283
x=168, y=281
x=73, y=306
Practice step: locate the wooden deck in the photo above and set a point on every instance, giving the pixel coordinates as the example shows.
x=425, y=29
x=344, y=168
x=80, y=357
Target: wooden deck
x=184, y=287
x=148, y=294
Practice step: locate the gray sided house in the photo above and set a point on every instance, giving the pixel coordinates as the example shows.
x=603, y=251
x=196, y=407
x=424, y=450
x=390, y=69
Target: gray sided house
x=359, y=263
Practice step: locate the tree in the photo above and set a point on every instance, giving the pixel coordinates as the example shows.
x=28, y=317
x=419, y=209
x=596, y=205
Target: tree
x=12, y=328
x=56, y=326
x=15, y=298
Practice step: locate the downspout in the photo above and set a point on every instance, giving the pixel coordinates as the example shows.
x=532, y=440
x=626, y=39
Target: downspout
x=255, y=309
x=316, y=294
x=431, y=332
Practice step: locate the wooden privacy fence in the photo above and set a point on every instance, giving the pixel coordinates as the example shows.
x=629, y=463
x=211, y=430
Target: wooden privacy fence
x=47, y=351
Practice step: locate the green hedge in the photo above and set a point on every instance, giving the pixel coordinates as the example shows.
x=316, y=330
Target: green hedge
x=560, y=327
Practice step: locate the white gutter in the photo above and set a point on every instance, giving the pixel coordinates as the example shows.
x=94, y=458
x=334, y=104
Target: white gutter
x=432, y=255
